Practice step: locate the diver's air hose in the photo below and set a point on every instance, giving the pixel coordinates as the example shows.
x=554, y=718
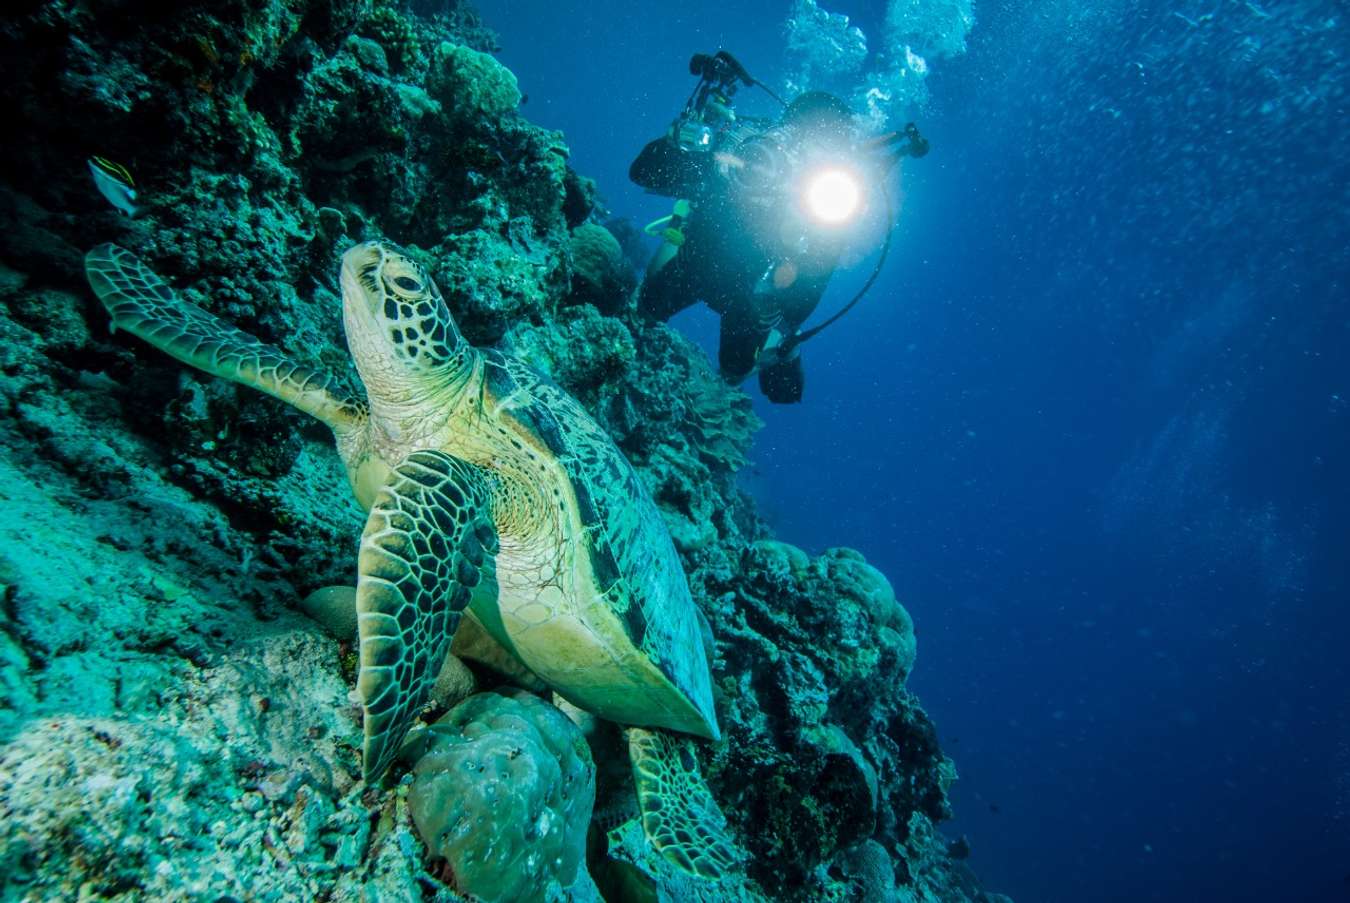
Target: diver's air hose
x=655, y=226
x=796, y=339
x=769, y=91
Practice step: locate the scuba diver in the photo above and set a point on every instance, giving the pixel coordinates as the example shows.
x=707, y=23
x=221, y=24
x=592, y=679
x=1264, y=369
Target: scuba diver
x=762, y=217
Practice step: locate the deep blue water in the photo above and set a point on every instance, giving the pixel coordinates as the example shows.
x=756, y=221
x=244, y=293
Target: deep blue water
x=1093, y=421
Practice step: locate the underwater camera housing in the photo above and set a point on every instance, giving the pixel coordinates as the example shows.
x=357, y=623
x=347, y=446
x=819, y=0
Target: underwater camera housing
x=719, y=75
x=693, y=135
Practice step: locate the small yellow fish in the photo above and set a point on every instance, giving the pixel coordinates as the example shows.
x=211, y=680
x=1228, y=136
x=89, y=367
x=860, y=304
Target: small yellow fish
x=114, y=183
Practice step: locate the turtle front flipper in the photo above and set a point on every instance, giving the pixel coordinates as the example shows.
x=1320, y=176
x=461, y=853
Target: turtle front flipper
x=428, y=547
x=143, y=305
x=679, y=815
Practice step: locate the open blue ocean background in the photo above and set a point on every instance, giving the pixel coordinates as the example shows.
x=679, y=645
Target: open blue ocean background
x=1093, y=421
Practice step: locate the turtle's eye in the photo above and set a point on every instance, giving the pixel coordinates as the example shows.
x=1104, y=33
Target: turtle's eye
x=408, y=284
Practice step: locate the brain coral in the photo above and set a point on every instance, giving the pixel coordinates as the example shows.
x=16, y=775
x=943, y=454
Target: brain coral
x=503, y=793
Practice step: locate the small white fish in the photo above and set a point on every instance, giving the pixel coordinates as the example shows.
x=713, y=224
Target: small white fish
x=114, y=183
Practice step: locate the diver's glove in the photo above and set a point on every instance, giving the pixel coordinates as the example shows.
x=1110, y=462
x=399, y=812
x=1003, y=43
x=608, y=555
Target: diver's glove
x=918, y=144
x=892, y=146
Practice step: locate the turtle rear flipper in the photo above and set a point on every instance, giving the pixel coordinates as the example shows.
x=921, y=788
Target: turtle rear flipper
x=428, y=547
x=679, y=815
x=143, y=305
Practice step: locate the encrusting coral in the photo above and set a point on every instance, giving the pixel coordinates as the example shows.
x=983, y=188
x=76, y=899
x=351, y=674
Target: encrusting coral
x=173, y=726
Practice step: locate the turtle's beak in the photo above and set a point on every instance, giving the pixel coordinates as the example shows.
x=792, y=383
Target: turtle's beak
x=361, y=276
x=362, y=302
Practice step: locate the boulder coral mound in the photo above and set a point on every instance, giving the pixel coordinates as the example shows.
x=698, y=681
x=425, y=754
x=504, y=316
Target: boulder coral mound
x=502, y=791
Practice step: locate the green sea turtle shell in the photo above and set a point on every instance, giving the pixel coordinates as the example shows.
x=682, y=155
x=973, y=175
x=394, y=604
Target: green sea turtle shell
x=637, y=570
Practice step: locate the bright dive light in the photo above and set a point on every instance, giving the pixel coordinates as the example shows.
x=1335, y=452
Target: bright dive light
x=832, y=196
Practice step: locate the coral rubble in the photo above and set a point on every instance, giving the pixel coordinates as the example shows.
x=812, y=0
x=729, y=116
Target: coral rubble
x=173, y=724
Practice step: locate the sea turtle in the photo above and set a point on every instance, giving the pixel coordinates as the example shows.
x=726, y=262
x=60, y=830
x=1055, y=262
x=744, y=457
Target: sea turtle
x=490, y=491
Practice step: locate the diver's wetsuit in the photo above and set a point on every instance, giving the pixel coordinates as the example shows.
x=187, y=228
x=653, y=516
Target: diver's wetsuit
x=733, y=258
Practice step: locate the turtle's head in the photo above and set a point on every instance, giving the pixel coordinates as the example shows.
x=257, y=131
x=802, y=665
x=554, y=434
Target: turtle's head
x=400, y=332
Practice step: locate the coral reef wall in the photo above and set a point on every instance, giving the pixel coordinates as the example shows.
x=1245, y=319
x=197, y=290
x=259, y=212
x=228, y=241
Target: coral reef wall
x=171, y=725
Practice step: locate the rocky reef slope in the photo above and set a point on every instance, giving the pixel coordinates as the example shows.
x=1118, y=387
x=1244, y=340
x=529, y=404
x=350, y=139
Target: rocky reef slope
x=172, y=726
